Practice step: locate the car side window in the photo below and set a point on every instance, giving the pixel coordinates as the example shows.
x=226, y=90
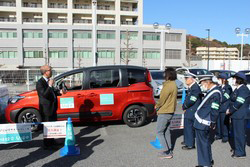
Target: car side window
x=181, y=71
x=74, y=81
x=104, y=78
x=136, y=76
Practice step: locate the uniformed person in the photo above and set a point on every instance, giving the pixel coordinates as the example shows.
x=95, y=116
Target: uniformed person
x=238, y=111
x=190, y=105
x=222, y=127
x=205, y=118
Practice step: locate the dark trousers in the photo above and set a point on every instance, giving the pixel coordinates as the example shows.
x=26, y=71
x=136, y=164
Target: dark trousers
x=49, y=142
x=189, y=133
x=203, y=145
x=222, y=126
x=239, y=136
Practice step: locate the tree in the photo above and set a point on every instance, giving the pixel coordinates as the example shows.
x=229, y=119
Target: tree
x=79, y=59
x=128, y=48
x=189, y=54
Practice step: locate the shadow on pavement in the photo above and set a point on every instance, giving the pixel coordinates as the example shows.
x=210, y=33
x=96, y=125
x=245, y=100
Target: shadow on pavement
x=83, y=143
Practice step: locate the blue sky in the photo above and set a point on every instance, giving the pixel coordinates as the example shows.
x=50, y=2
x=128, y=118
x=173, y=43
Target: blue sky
x=221, y=16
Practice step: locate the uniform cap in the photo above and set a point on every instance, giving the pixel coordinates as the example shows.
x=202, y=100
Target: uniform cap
x=208, y=77
x=240, y=75
x=189, y=75
x=223, y=76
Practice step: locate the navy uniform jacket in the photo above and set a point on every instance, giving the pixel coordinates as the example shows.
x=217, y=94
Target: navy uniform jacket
x=192, y=101
x=209, y=111
x=226, y=93
x=240, y=102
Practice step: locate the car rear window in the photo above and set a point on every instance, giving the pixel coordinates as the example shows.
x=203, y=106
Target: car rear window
x=200, y=72
x=159, y=75
x=104, y=78
x=136, y=76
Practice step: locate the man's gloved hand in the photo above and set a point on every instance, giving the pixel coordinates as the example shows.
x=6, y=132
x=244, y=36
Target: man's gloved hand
x=213, y=125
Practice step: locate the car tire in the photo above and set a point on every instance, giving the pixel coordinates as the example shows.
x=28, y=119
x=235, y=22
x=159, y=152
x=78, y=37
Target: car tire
x=30, y=116
x=134, y=116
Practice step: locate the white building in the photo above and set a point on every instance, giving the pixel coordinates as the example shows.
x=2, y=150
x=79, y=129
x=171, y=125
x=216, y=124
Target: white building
x=59, y=32
x=217, y=53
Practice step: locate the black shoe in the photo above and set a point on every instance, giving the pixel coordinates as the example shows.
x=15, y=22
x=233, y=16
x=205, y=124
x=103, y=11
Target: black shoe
x=183, y=143
x=212, y=162
x=187, y=148
x=203, y=166
x=237, y=156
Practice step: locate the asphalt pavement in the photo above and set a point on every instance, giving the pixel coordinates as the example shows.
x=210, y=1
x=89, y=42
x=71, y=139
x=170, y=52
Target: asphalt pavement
x=114, y=144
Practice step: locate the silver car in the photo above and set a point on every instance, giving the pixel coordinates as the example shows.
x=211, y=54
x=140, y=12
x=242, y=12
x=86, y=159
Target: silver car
x=158, y=78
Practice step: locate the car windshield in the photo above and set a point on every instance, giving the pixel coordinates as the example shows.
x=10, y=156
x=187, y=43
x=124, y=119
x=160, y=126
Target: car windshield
x=159, y=75
x=200, y=71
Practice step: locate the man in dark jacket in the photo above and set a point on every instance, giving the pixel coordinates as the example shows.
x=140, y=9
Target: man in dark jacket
x=47, y=100
x=205, y=118
x=190, y=105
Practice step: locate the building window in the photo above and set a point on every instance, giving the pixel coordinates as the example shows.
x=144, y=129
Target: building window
x=106, y=34
x=32, y=34
x=85, y=54
x=173, y=37
x=106, y=54
x=131, y=55
x=82, y=34
x=33, y=54
x=8, y=54
x=58, y=54
x=151, y=36
x=58, y=34
x=132, y=35
x=6, y=34
x=151, y=54
x=173, y=54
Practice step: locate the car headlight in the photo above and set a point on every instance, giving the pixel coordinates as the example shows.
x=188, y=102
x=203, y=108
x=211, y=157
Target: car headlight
x=15, y=99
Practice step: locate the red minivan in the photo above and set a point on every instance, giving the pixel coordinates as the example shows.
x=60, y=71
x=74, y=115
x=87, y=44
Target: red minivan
x=102, y=93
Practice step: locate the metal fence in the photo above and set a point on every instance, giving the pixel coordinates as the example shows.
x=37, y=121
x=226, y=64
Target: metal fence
x=19, y=81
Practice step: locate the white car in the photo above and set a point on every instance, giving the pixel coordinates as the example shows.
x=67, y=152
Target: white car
x=196, y=71
x=158, y=78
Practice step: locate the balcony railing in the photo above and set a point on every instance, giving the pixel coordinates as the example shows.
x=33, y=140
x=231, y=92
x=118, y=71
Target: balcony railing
x=124, y=8
x=32, y=5
x=81, y=6
x=6, y=19
x=33, y=20
x=128, y=23
x=57, y=20
x=57, y=5
x=106, y=22
x=86, y=21
x=10, y=4
x=106, y=7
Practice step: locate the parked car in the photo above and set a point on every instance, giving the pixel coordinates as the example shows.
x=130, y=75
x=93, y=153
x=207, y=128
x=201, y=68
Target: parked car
x=245, y=71
x=229, y=73
x=158, y=78
x=197, y=71
x=102, y=93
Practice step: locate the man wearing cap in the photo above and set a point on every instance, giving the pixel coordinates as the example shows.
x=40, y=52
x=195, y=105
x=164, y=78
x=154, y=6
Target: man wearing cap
x=238, y=111
x=190, y=105
x=205, y=118
x=223, y=120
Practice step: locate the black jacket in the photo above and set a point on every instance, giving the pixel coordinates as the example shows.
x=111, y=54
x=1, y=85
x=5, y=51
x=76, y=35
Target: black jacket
x=47, y=98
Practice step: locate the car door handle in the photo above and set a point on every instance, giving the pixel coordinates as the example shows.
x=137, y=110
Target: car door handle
x=80, y=95
x=92, y=95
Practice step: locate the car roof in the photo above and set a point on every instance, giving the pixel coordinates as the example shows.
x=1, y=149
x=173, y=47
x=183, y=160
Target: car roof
x=100, y=68
x=222, y=71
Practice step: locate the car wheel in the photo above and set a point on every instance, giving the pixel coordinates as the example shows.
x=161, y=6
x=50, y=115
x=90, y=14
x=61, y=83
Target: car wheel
x=134, y=116
x=30, y=116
